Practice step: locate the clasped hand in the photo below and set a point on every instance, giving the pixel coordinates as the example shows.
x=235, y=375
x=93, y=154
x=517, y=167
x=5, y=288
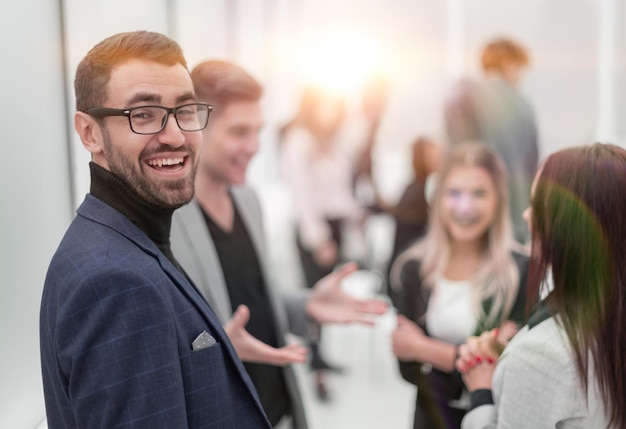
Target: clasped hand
x=477, y=357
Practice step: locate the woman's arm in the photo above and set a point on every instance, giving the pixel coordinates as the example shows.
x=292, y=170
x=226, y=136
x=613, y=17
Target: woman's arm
x=410, y=343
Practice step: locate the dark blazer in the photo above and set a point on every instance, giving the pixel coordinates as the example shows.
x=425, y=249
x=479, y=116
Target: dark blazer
x=194, y=249
x=436, y=389
x=117, y=324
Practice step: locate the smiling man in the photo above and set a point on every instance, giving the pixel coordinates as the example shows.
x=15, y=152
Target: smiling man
x=126, y=340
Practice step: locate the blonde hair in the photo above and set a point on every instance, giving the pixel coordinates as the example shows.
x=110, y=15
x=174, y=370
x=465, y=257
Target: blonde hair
x=497, y=279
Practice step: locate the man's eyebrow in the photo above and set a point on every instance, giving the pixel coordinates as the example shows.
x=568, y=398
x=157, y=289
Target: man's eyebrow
x=188, y=96
x=144, y=97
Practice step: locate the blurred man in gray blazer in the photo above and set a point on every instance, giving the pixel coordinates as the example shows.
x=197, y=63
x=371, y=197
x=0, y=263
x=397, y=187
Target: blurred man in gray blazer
x=218, y=239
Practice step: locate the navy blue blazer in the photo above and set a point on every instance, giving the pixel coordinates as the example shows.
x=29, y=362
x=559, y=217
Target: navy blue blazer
x=117, y=324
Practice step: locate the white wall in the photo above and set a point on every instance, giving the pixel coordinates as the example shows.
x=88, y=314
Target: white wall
x=577, y=84
x=35, y=195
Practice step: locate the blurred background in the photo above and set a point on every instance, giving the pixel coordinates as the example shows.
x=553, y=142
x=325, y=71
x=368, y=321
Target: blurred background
x=576, y=82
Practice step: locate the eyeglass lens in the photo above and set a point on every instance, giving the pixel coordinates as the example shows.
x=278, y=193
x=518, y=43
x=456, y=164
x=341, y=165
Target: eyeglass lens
x=152, y=119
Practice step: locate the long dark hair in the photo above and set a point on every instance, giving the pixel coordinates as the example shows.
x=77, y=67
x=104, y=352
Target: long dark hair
x=579, y=233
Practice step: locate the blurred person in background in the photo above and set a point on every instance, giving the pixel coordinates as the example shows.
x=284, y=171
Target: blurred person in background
x=219, y=240
x=492, y=110
x=367, y=120
x=320, y=176
x=411, y=211
x=464, y=277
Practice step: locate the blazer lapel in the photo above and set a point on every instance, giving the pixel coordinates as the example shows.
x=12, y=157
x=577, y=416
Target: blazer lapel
x=207, y=264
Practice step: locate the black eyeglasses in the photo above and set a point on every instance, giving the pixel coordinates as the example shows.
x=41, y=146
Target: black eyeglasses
x=152, y=119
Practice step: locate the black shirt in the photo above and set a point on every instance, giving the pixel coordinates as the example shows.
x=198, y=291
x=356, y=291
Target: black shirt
x=154, y=220
x=244, y=281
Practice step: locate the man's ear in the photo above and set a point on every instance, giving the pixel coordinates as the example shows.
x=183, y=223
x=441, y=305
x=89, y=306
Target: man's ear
x=89, y=132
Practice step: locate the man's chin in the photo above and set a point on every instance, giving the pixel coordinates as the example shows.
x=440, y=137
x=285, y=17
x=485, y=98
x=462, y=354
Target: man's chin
x=174, y=198
x=180, y=200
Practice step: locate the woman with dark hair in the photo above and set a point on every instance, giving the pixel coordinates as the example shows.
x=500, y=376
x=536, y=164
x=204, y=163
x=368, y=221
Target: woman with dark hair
x=566, y=368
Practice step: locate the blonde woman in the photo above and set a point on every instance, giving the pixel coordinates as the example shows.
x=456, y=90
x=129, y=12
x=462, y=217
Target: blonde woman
x=467, y=275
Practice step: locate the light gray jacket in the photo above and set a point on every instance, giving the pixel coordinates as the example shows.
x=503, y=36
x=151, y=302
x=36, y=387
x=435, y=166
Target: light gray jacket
x=194, y=249
x=536, y=386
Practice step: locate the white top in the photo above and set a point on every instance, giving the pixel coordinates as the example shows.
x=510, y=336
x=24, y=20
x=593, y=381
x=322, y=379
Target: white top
x=321, y=185
x=535, y=386
x=450, y=316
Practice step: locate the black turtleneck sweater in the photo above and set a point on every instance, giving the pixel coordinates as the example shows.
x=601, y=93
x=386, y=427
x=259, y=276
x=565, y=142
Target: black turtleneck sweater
x=154, y=220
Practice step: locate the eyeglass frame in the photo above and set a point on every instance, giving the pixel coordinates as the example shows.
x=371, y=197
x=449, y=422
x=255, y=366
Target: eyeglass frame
x=103, y=112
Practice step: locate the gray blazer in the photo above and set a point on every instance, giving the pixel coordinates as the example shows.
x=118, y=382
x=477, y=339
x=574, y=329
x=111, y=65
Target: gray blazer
x=194, y=249
x=535, y=386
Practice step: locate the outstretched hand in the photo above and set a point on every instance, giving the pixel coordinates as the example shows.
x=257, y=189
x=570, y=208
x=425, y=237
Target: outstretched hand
x=328, y=303
x=251, y=349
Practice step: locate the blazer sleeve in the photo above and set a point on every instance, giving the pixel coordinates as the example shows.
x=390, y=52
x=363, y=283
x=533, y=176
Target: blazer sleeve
x=295, y=302
x=119, y=351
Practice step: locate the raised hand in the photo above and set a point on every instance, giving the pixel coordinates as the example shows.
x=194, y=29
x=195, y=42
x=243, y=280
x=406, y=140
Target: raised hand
x=251, y=349
x=328, y=303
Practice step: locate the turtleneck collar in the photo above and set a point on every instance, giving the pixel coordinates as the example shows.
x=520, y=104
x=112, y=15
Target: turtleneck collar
x=154, y=220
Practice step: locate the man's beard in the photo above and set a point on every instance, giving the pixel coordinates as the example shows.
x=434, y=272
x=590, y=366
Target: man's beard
x=166, y=193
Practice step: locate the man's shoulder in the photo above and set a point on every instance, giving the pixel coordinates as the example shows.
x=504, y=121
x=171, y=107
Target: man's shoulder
x=98, y=237
x=89, y=245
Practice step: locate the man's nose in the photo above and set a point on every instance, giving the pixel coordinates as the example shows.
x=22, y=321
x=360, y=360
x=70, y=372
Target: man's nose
x=172, y=135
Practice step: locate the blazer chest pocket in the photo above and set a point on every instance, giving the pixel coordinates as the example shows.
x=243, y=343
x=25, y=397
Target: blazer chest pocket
x=208, y=388
x=207, y=366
